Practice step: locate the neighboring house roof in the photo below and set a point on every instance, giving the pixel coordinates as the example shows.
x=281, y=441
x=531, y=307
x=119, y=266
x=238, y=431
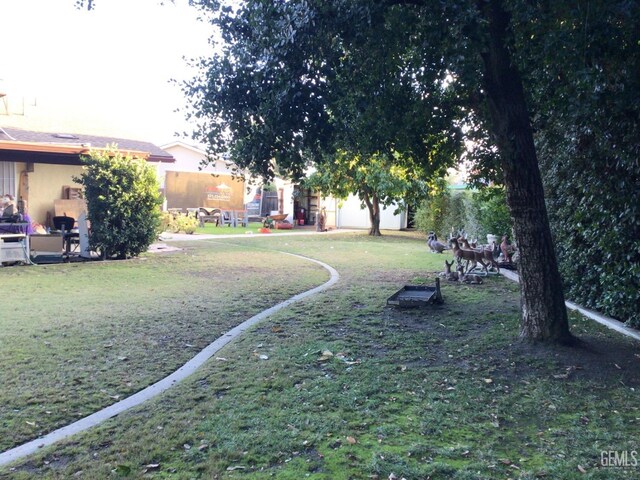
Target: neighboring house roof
x=47, y=147
x=218, y=164
x=178, y=143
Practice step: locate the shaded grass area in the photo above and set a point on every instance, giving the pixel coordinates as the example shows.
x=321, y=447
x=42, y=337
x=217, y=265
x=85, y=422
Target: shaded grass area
x=77, y=337
x=442, y=392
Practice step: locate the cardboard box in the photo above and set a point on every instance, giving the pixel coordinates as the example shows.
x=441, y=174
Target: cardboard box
x=46, y=243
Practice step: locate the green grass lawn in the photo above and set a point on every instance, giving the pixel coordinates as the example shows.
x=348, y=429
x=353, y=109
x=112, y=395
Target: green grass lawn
x=250, y=229
x=77, y=337
x=442, y=392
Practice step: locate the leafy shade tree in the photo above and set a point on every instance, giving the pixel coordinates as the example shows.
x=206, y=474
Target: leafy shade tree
x=123, y=202
x=301, y=79
x=377, y=180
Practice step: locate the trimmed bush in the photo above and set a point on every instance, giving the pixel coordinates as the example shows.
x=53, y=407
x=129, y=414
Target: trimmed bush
x=595, y=220
x=176, y=223
x=123, y=201
x=186, y=223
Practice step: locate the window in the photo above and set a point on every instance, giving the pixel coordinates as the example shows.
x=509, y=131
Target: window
x=8, y=178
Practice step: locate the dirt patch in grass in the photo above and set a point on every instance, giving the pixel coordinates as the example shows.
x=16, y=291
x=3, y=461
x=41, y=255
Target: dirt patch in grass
x=596, y=359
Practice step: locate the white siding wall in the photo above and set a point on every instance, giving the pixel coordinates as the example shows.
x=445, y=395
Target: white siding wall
x=350, y=215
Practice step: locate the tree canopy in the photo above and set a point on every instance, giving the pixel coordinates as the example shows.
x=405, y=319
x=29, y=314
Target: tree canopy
x=299, y=80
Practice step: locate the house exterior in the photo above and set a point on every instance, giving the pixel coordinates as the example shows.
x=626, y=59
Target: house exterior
x=39, y=167
x=184, y=183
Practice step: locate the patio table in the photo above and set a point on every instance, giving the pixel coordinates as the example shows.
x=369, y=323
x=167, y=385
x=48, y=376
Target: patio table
x=16, y=227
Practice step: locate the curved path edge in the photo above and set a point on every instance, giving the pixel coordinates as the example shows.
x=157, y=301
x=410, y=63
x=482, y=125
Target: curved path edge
x=157, y=388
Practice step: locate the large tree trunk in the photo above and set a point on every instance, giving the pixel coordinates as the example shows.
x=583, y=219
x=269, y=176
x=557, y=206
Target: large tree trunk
x=373, y=205
x=544, y=315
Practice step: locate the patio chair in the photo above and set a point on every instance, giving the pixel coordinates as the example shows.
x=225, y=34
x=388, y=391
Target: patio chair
x=242, y=218
x=226, y=218
x=70, y=239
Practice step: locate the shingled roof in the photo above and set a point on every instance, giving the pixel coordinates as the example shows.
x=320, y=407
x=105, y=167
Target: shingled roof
x=22, y=140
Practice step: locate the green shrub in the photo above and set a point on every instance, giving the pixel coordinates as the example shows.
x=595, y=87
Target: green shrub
x=441, y=212
x=595, y=220
x=167, y=223
x=176, y=223
x=123, y=202
x=477, y=213
x=186, y=223
x=430, y=215
x=488, y=213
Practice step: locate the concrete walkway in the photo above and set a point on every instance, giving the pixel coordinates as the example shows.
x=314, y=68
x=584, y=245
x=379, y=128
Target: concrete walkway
x=157, y=388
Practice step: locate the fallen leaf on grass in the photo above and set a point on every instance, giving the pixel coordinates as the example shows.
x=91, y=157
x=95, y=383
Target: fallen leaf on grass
x=567, y=374
x=355, y=362
x=277, y=329
x=326, y=355
x=151, y=467
x=352, y=440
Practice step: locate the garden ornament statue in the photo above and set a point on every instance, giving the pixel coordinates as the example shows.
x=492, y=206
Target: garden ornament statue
x=448, y=274
x=471, y=256
x=434, y=244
